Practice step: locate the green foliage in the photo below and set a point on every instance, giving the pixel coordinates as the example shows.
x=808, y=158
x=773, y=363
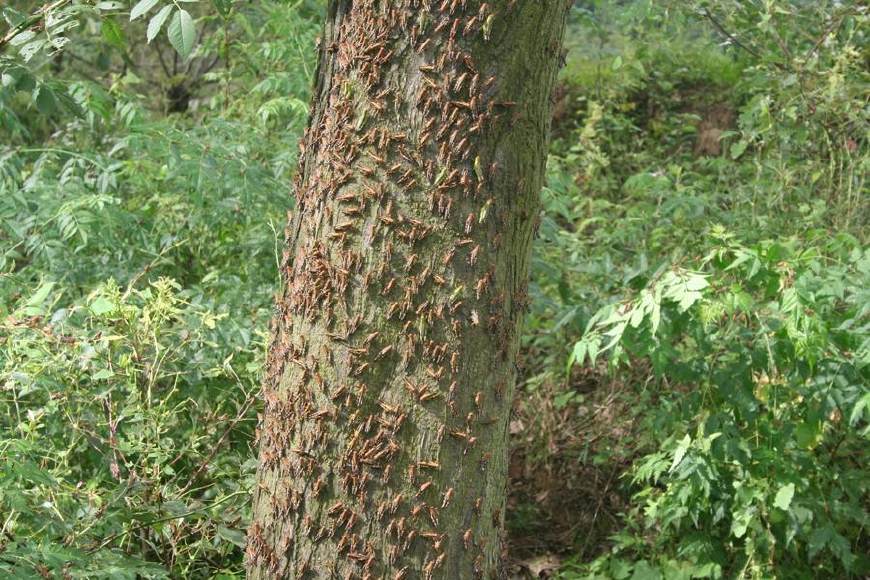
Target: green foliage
x=138, y=262
x=703, y=245
x=763, y=354
x=115, y=409
x=745, y=344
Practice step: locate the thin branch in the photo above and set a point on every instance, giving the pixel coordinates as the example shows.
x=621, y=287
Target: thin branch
x=736, y=41
x=33, y=21
x=150, y=523
x=162, y=62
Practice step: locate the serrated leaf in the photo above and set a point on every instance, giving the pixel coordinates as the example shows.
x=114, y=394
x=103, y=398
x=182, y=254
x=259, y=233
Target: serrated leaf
x=696, y=283
x=182, y=32
x=790, y=301
x=858, y=410
x=680, y=452
x=784, y=496
x=156, y=22
x=578, y=354
x=223, y=6
x=45, y=101
x=22, y=37
x=112, y=32
x=636, y=316
x=30, y=50
x=655, y=316
x=141, y=8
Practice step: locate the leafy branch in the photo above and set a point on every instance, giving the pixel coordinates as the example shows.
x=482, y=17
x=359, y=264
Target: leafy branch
x=33, y=22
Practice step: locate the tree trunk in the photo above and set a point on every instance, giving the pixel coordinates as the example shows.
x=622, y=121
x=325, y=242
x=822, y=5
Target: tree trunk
x=383, y=444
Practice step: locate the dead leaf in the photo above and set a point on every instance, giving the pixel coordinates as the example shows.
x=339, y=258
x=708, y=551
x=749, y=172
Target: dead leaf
x=543, y=566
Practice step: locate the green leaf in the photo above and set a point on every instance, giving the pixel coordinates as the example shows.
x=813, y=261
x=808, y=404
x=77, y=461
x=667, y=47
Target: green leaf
x=22, y=37
x=182, y=32
x=45, y=101
x=112, y=33
x=223, y=6
x=858, y=410
x=740, y=523
x=784, y=496
x=102, y=305
x=696, y=282
x=680, y=452
x=103, y=374
x=636, y=316
x=687, y=299
x=30, y=49
x=807, y=434
x=738, y=148
x=617, y=63
x=40, y=295
x=12, y=17
x=578, y=354
x=655, y=316
x=141, y=8
x=236, y=537
x=643, y=571
x=790, y=301
x=156, y=22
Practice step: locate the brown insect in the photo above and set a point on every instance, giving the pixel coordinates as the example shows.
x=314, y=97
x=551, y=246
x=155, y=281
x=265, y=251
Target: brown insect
x=428, y=395
x=448, y=497
x=441, y=25
x=384, y=351
x=448, y=256
x=387, y=408
x=459, y=435
x=472, y=256
x=423, y=46
x=433, y=516
x=417, y=509
x=469, y=25
x=396, y=502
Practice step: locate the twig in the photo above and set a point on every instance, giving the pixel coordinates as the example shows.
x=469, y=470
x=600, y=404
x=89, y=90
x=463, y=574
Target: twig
x=34, y=19
x=249, y=400
x=149, y=523
x=736, y=41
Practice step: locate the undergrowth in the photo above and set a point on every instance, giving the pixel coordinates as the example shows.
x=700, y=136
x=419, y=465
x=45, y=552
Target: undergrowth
x=694, y=369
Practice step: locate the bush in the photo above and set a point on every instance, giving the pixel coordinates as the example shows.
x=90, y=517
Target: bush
x=759, y=415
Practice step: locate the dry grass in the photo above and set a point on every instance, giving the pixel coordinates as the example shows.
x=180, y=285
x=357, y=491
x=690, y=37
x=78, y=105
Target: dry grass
x=565, y=470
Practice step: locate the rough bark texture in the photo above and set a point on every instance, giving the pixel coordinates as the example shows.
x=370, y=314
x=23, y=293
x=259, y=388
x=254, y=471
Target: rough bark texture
x=383, y=444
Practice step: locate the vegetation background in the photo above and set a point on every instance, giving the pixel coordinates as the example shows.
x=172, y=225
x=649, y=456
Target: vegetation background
x=694, y=399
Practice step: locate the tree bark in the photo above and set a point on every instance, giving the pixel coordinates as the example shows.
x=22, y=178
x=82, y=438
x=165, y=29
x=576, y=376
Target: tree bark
x=389, y=380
